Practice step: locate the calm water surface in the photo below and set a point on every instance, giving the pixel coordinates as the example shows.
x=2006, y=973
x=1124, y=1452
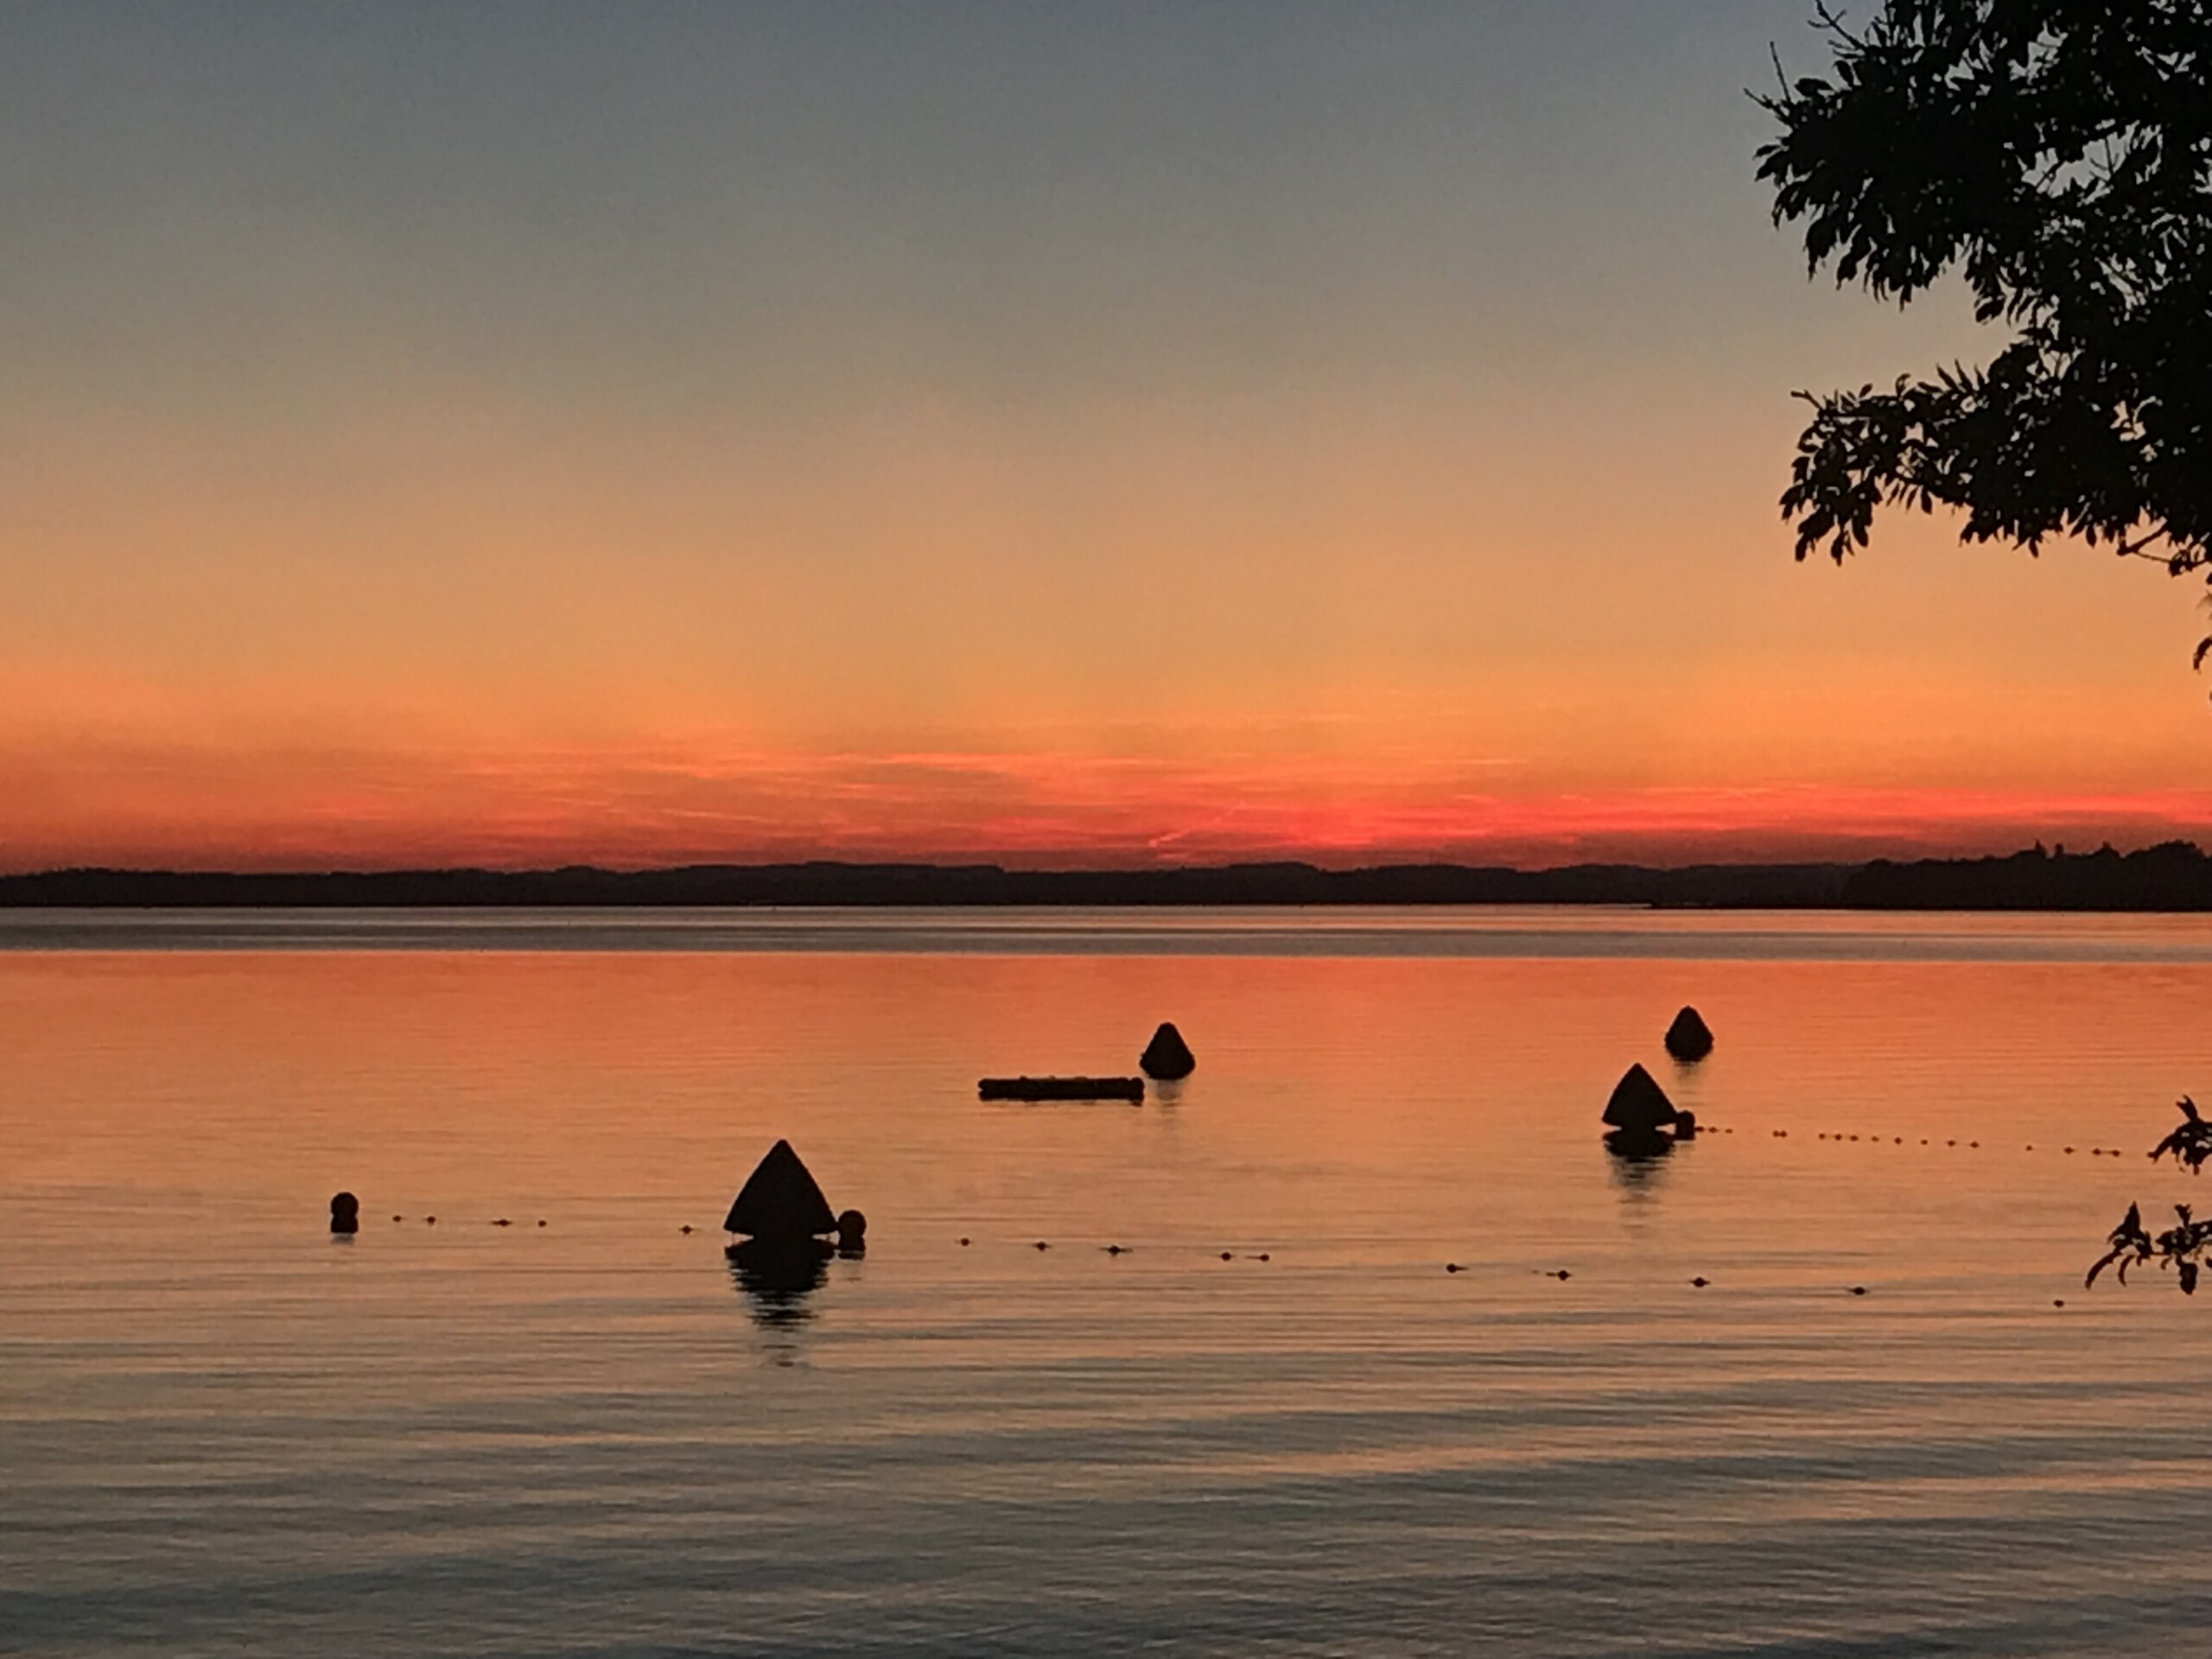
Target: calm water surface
x=223, y=1431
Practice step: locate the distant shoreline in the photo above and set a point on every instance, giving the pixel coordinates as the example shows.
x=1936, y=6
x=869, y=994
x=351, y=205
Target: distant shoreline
x=2174, y=876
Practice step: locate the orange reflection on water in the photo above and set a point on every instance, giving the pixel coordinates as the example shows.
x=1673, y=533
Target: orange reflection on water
x=1364, y=1094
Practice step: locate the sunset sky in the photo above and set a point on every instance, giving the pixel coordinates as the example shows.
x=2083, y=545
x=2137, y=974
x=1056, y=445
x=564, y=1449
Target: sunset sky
x=1062, y=433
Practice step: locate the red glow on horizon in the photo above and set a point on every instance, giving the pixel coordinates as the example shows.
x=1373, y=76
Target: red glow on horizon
x=260, y=811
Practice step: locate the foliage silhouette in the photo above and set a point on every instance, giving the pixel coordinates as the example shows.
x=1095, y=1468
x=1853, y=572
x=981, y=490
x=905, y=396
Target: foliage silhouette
x=2056, y=154
x=2181, y=1247
x=2190, y=1143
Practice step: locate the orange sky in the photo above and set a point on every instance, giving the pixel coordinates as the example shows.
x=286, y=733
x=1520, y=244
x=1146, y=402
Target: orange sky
x=1212, y=441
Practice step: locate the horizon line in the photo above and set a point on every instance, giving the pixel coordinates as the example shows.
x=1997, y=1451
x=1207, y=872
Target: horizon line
x=984, y=863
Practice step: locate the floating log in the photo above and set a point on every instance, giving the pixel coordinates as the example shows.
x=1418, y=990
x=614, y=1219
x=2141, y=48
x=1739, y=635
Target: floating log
x=1167, y=1058
x=1689, y=1039
x=1061, y=1088
x=780, y=1200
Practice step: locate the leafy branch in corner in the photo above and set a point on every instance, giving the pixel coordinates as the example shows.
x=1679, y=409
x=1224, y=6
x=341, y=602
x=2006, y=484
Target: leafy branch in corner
x=2055, y=155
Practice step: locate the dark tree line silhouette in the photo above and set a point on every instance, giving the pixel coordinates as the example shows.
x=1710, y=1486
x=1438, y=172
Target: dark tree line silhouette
x=2174, y=876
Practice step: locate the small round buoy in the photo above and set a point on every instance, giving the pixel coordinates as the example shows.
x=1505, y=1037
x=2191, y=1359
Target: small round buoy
x=1042, y=1245
x=399, y=1218
x=2058, y=1302
x=1858, y=1290
x=1561, y=1275
x=685, y=1230
x=1701, y=1282
x=1114, y=1249
x=503, y=1222
x=852, y=1230
x=964, y=1244
x=344, y=1213
x=1264, y=1256
x=541, y=1222
x=1450, y=1267
x=430, y=1221
x=1688, y=1039
x=1227, y=1256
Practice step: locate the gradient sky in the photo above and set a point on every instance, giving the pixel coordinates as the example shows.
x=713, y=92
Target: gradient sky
x=526, y=434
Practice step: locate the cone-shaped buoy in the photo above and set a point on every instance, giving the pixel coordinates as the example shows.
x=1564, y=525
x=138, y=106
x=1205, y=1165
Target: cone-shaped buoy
x=1639, y=1105
x=780, y=1200
x=1167, y=1058
x=1689, y=1038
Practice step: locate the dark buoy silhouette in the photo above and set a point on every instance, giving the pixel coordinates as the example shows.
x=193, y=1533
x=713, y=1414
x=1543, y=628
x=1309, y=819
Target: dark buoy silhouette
x=780, y=1259
x=1638, y=1114
x=1689, y=1039
x=1638, y=1105
x=344, y=1213
x=1167, y=1058
x=780, y=1200
x=852, y=1233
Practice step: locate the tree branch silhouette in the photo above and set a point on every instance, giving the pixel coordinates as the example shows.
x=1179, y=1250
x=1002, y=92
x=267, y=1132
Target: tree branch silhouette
x=2056, y=157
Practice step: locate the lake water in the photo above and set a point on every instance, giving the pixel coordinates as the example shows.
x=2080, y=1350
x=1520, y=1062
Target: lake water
x=221, y=1431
